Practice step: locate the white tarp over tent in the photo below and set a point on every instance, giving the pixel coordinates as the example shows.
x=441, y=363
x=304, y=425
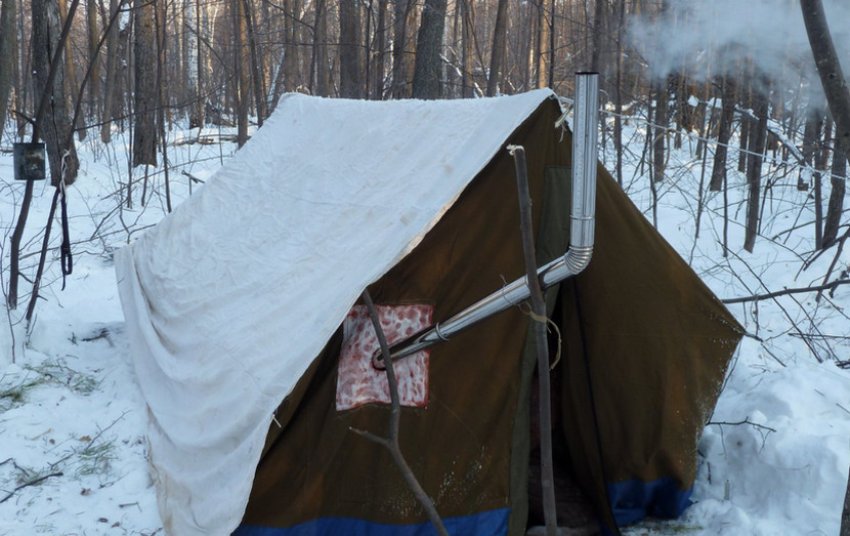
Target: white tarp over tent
x=229, y=299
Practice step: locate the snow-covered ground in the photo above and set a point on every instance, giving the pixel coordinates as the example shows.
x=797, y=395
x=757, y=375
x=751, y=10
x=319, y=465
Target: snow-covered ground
x=72, y=449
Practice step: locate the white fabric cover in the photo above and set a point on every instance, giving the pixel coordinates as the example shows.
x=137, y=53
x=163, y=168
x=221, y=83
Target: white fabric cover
x=229, y=299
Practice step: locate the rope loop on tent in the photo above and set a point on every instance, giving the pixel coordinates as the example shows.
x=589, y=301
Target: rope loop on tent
x=550, y=326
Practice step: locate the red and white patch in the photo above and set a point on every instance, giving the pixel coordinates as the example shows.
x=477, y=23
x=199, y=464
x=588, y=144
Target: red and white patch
x=358, y=382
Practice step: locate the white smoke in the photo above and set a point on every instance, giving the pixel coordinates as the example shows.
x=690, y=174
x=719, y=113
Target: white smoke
x=706, y=38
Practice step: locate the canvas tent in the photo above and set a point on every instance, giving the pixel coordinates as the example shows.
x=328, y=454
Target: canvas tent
x=241, y=308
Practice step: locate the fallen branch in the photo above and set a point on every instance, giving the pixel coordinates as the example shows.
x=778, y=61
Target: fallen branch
x=759, y=297
x=745, y=421
x=32, y=482
x=192, y=178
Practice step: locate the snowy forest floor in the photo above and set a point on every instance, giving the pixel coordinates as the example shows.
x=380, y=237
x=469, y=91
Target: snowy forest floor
x=774, y=458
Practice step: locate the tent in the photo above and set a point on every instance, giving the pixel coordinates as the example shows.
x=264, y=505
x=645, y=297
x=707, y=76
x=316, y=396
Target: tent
x=247, y=337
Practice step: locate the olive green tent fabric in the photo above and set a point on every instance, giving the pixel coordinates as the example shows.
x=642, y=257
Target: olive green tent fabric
x=460, y=446
x=645, y=353
x=645, y=348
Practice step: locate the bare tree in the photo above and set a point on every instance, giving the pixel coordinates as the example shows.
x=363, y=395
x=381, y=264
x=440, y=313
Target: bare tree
x=838, y=98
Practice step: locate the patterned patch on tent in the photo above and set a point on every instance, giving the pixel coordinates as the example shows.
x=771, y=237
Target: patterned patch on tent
x=358, y=382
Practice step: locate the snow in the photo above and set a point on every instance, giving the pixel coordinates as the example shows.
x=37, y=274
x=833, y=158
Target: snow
x=70, y=402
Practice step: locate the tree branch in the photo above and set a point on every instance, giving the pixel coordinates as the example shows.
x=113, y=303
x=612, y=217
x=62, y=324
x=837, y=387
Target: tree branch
x=391, y=442
x=759, y=297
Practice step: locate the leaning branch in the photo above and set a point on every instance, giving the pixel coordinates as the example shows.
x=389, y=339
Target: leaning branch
x=391, y=442
x=759, y=297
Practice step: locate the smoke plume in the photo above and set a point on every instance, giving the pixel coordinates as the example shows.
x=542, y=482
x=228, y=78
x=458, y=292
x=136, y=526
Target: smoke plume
x=707, y=38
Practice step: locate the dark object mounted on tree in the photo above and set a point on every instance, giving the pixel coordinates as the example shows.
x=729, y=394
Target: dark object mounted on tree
x=29, y=161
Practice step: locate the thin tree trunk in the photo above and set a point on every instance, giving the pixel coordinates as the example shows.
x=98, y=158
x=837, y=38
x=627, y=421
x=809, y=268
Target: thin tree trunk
x=659, y=137
x=467, y=30
x=497, y=54
x=811, y=133
x=109, y=89
x=727, y=115
x=321, y=68
x=7, y=56
x=836, y=196
x=144, y=58
x=94, y=81
x=241, y=78
x=380, y=51
x=70, y=74
x=820, y=160
x=544, y=29
x=259, y=83
x=598, y=22
x=618, y=91
x=350, y=51
x=759, y=133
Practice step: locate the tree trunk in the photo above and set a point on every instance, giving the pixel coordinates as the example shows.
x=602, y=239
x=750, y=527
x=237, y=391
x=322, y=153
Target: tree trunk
x=845, y=513
x=401, y=21
x=93, y=38
x=56, y=128
x=659, y=136
x=350, y=51
x=618, y=91
x=759, y=135
x=290, y=48
x=467, y=30
x=497, y=54
x=838, y=98
x=194, y=62
x=811, y=133
x=426, y=73
x=241, y=79
x=380, y=68
x=727, y=115
x=257, y=78
x=109, y=88
x=144, y=59
x=836, y=196
x=544, y=31
x=70, y=75
x=829, y=70
x=7, y=57
x=820, y=159
x=321, y=69
x=598, y=23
